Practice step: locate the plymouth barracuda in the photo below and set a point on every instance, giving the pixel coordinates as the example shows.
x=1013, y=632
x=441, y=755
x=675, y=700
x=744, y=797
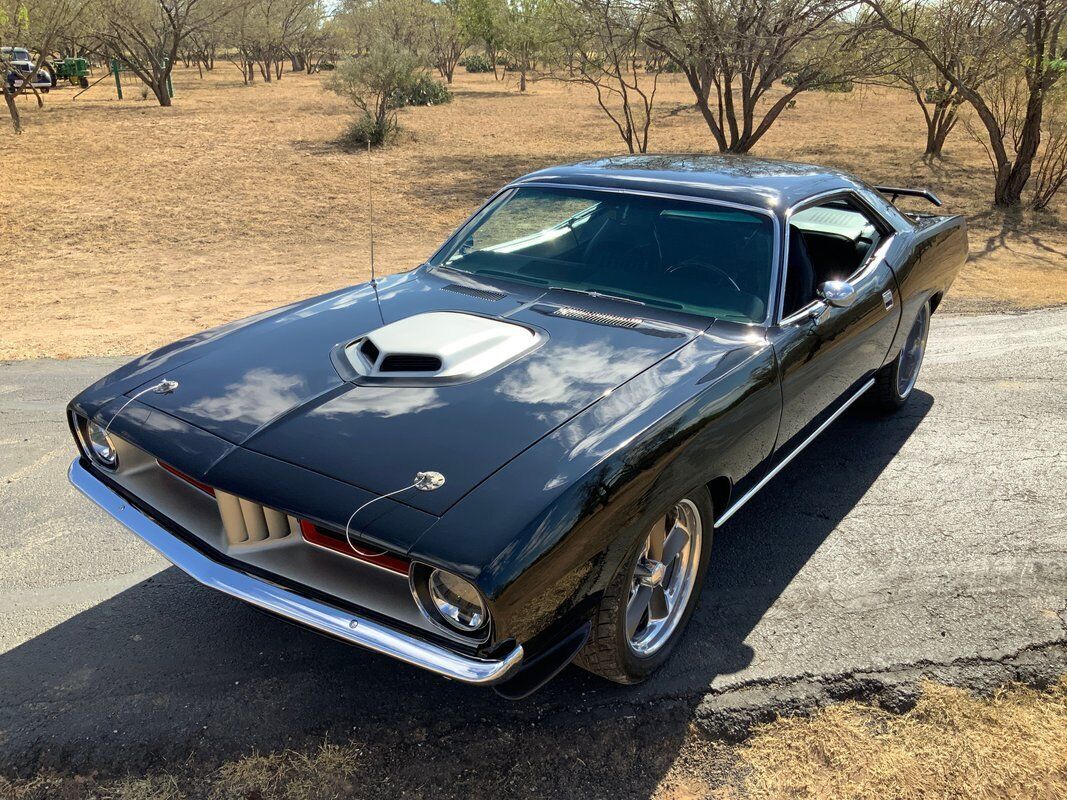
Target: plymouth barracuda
x=515, y=455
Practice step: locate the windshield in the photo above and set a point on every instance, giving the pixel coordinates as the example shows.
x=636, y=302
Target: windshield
x=701, y=258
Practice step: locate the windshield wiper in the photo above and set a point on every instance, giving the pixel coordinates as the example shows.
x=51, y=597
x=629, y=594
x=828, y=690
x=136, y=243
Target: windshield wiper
x=594, y=293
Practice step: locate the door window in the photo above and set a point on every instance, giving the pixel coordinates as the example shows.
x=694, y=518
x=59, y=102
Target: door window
x=827, y=242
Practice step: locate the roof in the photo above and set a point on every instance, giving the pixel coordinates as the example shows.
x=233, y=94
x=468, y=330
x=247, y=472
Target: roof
x=749, y=181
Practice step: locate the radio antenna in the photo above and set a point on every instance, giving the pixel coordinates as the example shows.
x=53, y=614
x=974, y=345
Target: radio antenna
x=370, y=213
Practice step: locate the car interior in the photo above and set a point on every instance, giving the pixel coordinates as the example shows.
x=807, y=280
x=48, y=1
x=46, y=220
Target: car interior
x=700, y=258
x=827, y=242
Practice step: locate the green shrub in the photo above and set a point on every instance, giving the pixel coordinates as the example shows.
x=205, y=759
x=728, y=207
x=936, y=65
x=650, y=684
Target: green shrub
x=424, y=90
x=365, y=129
x=476, y=63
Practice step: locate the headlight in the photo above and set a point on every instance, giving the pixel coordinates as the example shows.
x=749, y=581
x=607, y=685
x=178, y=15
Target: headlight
x=456, y=601
x=101, y=447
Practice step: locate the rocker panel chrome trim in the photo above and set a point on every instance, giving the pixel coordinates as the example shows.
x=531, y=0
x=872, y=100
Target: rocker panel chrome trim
x=785, y=461
x=348, y=627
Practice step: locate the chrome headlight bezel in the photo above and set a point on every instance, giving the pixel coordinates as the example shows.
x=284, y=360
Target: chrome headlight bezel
x=430, y=585
x=97, y=443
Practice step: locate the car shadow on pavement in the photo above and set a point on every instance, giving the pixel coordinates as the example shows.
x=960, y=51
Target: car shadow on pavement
x=168, y=672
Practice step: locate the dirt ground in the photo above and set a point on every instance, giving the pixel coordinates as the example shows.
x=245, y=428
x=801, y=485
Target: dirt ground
x=127, y=225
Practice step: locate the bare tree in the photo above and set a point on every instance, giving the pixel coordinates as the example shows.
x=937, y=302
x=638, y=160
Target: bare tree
x=605, y=42
x=315, y=44
x=485, y=21
x=1051, y=174
x=526, y=35
x=36, y=25
x=1025, y=38
x=908, y=67
x=146, y=35
x=733, y=52
x=447, y=40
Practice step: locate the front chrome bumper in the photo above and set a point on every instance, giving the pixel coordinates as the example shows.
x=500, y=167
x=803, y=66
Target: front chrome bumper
x=321, y=617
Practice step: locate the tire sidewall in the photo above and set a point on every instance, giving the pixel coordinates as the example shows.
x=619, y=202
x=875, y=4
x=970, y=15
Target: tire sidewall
x=637, y=666
x=902, y=398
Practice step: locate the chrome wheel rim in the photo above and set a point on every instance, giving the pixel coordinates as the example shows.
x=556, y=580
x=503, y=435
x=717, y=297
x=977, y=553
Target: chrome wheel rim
x=911, y=355
x=663, y=578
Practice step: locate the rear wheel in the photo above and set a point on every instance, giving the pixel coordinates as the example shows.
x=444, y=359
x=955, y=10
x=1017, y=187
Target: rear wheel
x=895, y=381
x=650, y=599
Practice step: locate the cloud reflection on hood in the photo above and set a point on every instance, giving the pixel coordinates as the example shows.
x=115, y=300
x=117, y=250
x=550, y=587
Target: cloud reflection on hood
x=258, y=397
x=564, y=379
x=379, y=401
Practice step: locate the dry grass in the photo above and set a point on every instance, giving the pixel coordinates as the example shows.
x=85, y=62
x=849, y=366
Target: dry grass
x=159, y=222
x=950, y=746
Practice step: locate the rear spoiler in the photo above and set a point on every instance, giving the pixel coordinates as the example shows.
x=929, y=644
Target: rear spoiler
x=894, y=192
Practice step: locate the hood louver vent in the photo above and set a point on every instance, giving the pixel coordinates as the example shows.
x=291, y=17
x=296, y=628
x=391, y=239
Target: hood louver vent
x=410, y=363
x=597, y=318
x=469, y=291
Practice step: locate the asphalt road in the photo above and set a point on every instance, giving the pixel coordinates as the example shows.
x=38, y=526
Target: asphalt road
x=933, y=541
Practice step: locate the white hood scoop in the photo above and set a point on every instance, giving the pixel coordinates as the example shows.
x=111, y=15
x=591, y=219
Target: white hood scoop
x=435, y=347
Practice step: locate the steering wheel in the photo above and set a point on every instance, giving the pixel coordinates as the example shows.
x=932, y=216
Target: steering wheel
x=709, y=268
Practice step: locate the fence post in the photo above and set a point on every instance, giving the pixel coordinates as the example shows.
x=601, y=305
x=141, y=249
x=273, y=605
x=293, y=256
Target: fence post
x=115, y=70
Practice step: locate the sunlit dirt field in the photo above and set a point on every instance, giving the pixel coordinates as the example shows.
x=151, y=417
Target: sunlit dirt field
x=126, y=225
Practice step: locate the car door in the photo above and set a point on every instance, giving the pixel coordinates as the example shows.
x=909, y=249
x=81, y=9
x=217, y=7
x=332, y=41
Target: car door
x=828, y=347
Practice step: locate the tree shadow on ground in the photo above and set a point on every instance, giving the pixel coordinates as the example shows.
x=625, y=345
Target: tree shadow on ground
x=169, y=673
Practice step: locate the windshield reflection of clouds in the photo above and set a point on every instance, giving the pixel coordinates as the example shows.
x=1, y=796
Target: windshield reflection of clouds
x=385, y=401
x=557, y=379
x=258, y=397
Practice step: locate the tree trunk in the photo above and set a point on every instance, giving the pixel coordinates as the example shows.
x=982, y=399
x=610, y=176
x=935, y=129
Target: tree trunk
x=159, y=89
x=1013, y=176
x=13, y=109
x=938, y=126
x=522, y=80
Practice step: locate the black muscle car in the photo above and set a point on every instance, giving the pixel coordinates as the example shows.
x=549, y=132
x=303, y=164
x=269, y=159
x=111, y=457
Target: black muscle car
x=516, y=454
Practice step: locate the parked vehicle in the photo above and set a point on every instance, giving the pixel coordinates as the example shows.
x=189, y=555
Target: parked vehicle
x=516, y=454
x=74, y=70
x=20, y=64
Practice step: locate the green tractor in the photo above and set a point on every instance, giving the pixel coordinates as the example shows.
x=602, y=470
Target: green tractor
x=74, y=70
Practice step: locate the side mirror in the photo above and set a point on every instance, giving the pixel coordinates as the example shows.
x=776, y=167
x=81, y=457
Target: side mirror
x=839, y=294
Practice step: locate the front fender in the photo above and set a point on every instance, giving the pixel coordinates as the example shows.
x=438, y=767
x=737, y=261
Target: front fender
x=544, y=535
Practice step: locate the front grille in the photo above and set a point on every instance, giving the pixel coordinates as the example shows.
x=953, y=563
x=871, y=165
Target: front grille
x=410, y=363
x=245, y=521
x=597, y=318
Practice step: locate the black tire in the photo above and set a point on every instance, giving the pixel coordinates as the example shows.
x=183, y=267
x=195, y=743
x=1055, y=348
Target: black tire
x=608, y=652
x=890, y=392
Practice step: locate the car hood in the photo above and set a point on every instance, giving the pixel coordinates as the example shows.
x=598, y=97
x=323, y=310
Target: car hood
x=273, y=388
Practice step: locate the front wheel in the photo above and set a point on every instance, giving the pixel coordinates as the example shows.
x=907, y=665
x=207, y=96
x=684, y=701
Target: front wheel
x=895, y=381
x=650, y=599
